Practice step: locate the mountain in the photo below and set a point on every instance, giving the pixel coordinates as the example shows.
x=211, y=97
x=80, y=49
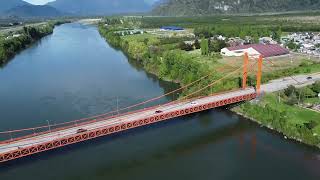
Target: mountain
x=101, y=7
x=33, y=11
x=209, y=7
x=8, y=4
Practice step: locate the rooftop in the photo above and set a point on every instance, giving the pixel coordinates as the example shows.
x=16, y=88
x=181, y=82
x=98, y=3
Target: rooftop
x=172, y=28
x=268, y=50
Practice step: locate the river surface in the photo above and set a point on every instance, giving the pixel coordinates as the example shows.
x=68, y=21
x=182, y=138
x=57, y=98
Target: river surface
x=74, y=73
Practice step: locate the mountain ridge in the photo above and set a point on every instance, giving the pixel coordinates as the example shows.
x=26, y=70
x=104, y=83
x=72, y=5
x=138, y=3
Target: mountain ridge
x=5, y=5
x=34, y=11
x=211, y=7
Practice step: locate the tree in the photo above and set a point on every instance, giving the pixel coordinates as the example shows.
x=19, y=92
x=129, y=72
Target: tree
x=204, y=47
x=308, y=93
x=316, y=87
x=146, y=41
x=185, y=46
x=290, y=90
x=197, y=44
x=292, y=100
x=277, y=34
x=217, y=45
x=291, y=45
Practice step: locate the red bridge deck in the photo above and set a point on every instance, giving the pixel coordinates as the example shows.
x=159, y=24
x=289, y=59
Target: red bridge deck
x=57, y=138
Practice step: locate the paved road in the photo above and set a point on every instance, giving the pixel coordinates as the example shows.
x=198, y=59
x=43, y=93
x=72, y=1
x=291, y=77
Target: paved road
x=298, y=81
x=276, y=85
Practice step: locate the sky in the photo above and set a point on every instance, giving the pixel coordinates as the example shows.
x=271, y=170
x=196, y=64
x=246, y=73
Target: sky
x=41, y=2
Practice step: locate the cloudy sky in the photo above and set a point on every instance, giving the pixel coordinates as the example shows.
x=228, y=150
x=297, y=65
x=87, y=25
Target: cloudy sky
x=40, y=2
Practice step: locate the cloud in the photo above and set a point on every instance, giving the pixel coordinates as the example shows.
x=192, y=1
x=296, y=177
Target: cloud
x=38, y=2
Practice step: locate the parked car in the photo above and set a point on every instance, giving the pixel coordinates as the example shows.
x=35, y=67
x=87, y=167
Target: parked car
x=194, y=103
x=81, y=130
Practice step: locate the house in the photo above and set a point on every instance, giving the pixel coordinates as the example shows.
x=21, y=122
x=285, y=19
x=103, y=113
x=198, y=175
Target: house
x=129, y=32
x=255, y=50
x=233, y=42
x=267, y=40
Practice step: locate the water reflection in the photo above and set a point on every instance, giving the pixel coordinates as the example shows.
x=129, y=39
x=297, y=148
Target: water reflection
x=74, y=73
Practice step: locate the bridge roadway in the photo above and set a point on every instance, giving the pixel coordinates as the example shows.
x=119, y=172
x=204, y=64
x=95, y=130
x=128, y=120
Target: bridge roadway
x=59, y=138
x=103, y=127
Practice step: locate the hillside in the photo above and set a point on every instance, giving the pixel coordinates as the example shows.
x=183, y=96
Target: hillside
x=207, y=7
x=101, y=7
x=33, y=11
x=8, y=4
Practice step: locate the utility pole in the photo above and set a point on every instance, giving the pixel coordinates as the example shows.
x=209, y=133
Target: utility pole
x=49, y=125
x=11, y=136
x=118, y=105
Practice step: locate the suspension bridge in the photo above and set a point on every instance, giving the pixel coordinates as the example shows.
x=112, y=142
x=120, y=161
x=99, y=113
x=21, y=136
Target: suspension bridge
x=29, y=141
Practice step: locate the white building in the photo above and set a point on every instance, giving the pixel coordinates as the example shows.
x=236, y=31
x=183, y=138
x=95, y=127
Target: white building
x=239, y=52
x=255, y=50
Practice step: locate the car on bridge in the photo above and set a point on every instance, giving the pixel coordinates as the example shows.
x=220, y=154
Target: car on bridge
x=81, y=130
x=158, y=112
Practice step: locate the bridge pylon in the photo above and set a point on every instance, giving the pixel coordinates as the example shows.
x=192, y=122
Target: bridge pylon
x=245, y=70
x=259, y=75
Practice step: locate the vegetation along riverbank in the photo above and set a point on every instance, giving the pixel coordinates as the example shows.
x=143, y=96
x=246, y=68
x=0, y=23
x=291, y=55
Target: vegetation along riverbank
x=13, y=42
x=186, y=55
x=293, y=112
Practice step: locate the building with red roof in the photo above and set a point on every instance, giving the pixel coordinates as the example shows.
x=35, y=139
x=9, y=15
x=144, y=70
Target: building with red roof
x=266, y=50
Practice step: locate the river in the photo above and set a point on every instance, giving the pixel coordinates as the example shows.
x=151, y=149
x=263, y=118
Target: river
x=74, y=73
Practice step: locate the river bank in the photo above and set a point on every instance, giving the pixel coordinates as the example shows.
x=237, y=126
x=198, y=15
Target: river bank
x=161, y=61
x=283, y=114
x=74, y=73
x=285, y=136
x=13, y=42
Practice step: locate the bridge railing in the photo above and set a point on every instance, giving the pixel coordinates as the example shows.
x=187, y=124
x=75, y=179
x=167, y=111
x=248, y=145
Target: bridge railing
x=32, y=132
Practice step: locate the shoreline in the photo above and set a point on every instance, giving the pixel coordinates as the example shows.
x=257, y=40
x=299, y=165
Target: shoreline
x=7, y=56
x=234, y=110
x=286, y=137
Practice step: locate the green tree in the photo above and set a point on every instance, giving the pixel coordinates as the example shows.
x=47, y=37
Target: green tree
x=292, y=100
x=290, y=91
x=291, y=45
x=316, y=87
x=204, y=47
x=216, y=45
x=197, y=44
